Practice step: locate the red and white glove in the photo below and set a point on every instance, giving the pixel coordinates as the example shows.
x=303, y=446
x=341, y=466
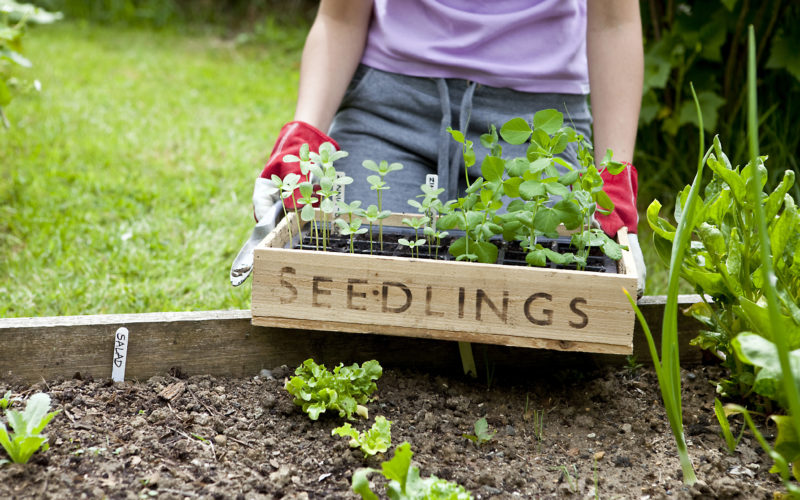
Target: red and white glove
x=292, y=136
x=622, y=189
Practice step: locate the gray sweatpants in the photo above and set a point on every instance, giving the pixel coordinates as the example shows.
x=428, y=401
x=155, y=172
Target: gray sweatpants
x=386, y=116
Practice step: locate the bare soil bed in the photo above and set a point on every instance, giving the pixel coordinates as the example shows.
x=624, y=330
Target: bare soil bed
x=604, y=435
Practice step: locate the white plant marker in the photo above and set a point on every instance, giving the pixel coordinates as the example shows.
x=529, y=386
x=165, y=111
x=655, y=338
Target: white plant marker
x=120, y=355
x=432, y=180
x=339, y=196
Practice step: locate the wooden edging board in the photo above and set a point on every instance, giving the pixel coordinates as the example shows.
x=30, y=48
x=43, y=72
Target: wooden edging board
x=469, y=302
x=225, y=343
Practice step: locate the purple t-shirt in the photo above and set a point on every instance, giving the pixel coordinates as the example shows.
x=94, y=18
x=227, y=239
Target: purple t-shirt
x=525, y=45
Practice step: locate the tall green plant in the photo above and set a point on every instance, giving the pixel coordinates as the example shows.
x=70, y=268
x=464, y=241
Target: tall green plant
x=668, y=366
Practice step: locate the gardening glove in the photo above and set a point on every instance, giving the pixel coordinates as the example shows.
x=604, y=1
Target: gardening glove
x=267, y=208
x=622, y=189
x=292, y=136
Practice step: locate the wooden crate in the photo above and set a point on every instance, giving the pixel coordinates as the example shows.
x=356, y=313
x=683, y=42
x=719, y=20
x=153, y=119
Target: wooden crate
x=464, y=301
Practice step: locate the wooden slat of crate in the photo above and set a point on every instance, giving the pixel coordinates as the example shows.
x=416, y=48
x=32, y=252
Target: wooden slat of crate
x=506, y=305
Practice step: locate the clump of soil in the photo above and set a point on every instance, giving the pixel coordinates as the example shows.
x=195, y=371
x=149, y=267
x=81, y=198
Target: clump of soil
x=602, y=434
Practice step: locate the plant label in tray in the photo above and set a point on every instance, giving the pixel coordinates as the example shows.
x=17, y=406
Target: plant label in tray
x=488, y=303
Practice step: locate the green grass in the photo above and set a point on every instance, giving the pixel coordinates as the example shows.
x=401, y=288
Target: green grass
x=125, y=184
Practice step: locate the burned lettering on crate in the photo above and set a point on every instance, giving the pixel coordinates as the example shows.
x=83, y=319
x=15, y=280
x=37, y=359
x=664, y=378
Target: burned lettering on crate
x=428, y=299
x=288, y=286
x=548, y=313
x=481, y=297
x=385, y=297
x=316, y=291
x=573, y=306
x=351, y=282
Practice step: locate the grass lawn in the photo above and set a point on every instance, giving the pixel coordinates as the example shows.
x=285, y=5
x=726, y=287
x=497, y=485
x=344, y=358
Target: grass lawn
x=125, y=184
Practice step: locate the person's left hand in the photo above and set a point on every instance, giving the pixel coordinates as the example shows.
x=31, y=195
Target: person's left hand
x=622, y=189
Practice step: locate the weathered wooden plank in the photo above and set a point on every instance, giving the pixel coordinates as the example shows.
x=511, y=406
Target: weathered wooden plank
x=225, y=343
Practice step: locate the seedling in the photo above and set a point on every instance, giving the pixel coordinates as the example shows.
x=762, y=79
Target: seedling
x=373, y=214
x=405, y=482
x=571, y=481
x=27, y=426
x=482, y=434
x=412, y=245
x=350, y=229
x=376, y=440
x=378, y=183
x=416, y=224
x=288, y=186
x=308, y=214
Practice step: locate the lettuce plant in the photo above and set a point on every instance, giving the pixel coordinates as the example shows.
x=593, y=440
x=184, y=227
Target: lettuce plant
x=26, y=436
x=376, y=440
x=346, y=389
x=405, y=482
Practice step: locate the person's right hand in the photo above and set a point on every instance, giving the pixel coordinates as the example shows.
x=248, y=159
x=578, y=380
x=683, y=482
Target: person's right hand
x=293, y=135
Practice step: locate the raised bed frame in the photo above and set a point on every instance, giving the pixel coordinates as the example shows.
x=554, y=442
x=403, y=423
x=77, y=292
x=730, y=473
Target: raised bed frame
x=225, y=343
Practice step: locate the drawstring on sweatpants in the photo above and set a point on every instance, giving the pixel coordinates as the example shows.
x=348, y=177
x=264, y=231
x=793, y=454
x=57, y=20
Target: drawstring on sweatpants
x=449, y=164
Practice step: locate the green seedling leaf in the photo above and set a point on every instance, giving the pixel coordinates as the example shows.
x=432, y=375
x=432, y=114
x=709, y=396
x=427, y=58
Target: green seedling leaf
x=515, y=131
x=482, y=434
x=492, y=168
x=722, y=418
x=548, y=121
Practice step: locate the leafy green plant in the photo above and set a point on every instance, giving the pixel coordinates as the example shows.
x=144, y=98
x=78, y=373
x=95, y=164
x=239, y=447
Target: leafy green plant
x=482, y=434
x=376, y=440
x=26, y=436
x=346, y=389
x=531, y=182
x=13, y=18
x=405, y=482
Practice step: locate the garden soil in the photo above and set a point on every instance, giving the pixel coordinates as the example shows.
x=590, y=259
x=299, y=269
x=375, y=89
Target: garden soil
x=603, y=434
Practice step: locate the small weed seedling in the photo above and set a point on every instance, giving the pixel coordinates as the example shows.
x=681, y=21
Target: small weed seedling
x=376, y=440
x=27, y=426
x=482, y=434
x=405, y=482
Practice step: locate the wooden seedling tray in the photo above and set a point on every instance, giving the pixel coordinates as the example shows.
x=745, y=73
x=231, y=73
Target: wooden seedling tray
x=464, y=301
